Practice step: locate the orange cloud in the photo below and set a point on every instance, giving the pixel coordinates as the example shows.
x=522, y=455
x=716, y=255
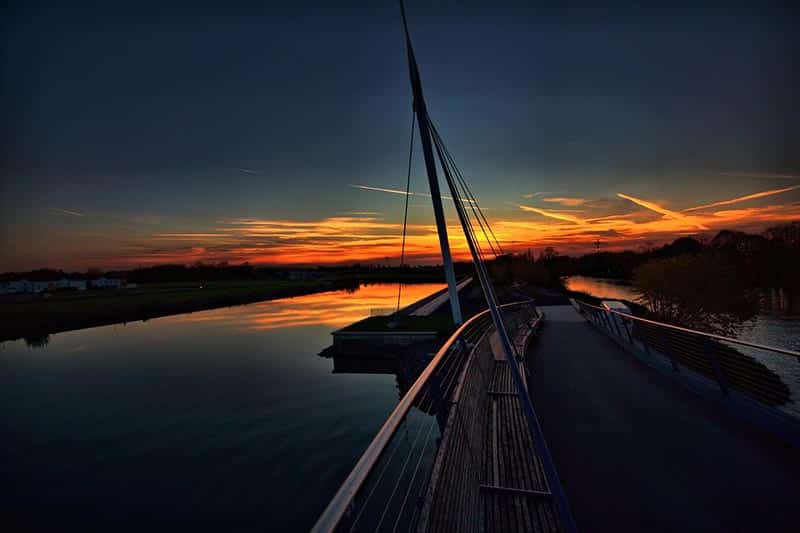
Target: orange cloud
x=662, y=210
x=569, y=202
x=371, y=239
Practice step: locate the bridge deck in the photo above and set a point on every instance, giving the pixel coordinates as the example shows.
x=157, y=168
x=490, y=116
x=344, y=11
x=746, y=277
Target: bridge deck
x=489, y=477
x=514, y=492
x=635, y=451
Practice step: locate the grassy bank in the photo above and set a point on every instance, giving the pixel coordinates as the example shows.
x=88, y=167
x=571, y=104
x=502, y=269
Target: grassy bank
x=439, y=322
x=35, y=315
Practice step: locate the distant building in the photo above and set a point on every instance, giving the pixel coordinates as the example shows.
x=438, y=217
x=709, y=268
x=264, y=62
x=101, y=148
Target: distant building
x=106, y=283
x=63, y=284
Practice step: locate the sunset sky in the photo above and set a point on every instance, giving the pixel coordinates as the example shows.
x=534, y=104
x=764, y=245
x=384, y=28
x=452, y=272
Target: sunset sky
x=145, y=133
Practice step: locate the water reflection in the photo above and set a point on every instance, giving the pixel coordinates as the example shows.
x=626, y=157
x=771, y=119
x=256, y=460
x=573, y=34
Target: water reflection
x=612, y=289
x=187, y=416
x=335, y=308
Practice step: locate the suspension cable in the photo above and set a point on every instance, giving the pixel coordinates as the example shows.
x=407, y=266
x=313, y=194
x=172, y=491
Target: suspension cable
x=470, y=197
x=405, y=213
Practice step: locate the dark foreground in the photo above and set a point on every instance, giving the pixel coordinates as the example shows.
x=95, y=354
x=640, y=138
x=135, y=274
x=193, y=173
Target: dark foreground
x=637, y=452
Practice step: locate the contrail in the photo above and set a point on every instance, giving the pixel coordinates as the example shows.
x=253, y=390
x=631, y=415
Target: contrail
x=662, y=210
x=397, y=191
x=552, y=214
x=68, y=212
x=652, y=206
x=753, y=196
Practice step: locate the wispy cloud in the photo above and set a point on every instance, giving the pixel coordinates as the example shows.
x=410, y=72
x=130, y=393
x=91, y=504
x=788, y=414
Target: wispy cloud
x=664, y=211
x=652, y=206
x=558, y=215
x=247, y=170
x=609, y=217
x=745, y=198
x=565, y=201
x=348, y=239
x=67, y=212
x=398, y=191
x=362, y=213
x=189, y=236
x=540, y=193
x=384, y=189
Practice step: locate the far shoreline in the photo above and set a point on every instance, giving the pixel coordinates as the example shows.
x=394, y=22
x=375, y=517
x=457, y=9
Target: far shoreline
x=61, y=312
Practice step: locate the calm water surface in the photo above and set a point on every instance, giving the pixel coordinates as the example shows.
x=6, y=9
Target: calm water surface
x=224, y=419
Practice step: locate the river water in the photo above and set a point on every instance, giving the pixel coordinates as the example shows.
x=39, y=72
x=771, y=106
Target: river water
x=224, y=419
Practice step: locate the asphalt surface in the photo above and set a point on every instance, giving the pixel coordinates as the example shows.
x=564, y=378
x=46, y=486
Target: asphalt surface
x=637, y=452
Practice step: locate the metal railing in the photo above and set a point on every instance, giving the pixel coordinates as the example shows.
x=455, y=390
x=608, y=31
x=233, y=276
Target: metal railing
x=386, y=488
x=740, y=371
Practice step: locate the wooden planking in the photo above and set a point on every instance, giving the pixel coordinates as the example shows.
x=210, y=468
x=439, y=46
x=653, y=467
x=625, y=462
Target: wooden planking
x=505, y=513
x=487, y=475
x=513, y=466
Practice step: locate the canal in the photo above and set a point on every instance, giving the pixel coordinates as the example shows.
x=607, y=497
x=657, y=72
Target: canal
x=224, y=419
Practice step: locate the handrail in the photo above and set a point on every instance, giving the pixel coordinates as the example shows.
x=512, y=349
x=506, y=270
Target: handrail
x=701, y=333
x=337, y=507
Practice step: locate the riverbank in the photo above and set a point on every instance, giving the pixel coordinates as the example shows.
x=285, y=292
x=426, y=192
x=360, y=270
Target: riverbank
x=36, y=316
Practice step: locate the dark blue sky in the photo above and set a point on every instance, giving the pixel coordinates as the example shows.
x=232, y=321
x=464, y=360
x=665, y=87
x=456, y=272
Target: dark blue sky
x=121, y=123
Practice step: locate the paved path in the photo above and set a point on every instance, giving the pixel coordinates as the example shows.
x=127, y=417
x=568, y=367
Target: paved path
x=439, y=300
x=637, y=452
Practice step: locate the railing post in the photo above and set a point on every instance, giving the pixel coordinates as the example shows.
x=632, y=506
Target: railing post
x=606, y=321
x=612, y=316
x=668, y=349
x=644, y=343
x=627, y=331
x=708, y=348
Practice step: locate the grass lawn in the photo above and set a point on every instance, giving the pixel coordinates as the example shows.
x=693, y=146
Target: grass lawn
x=440, y=323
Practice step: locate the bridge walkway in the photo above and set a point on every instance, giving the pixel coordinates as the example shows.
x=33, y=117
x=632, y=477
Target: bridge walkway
x=491, y=477
x=514, y=495
x=635, y=451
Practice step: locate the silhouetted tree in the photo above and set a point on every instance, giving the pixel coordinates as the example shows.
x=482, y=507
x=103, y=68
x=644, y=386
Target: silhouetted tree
x=699, y=291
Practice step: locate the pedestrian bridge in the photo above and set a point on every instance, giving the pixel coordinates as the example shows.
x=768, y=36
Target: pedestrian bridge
x=618, y=423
